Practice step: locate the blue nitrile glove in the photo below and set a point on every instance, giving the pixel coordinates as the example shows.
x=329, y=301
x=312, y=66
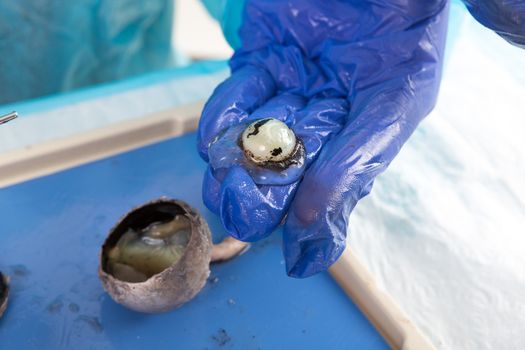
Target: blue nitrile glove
x=353, y=79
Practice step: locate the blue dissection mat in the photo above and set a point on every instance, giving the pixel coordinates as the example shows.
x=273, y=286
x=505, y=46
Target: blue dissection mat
x=51, y=230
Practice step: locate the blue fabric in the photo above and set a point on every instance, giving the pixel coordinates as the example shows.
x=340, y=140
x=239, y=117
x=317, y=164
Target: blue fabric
x=45, y=103
x=53, y=46
x=505, y=17
x=367, y=72
x=229, y=14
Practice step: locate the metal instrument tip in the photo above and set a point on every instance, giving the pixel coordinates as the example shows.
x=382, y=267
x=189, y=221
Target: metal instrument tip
x=8, y=117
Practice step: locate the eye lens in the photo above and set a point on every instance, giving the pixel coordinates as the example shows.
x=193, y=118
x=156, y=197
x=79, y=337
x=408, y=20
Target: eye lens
x=268, y=140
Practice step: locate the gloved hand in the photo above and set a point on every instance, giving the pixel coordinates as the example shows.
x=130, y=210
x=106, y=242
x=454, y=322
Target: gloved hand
x=353, y=79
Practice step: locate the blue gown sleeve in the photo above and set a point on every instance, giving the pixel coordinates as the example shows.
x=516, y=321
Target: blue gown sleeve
x=506, y=18
x=53, y=46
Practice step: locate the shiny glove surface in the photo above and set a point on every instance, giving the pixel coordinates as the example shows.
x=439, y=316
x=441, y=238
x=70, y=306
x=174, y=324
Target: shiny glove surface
x=353, y=79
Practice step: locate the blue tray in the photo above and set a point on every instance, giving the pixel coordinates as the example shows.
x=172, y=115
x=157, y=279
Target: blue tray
x=51, y=230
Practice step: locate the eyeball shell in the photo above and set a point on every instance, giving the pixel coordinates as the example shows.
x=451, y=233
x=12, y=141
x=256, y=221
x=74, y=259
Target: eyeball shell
x=175, y=285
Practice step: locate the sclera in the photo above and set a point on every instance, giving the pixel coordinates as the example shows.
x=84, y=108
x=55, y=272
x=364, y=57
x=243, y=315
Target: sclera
x=175, y=285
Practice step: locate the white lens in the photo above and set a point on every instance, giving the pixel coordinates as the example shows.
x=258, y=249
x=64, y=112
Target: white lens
x=268, y=140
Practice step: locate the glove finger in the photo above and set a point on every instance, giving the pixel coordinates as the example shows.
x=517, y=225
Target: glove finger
x=249, y=212
x=314, y=234
x=232, y=101
x=315, y=125
x=211, y=190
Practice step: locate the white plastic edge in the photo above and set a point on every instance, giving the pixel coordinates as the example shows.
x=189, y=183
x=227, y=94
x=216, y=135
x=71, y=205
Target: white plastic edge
x=380, y=309
x=53, y=156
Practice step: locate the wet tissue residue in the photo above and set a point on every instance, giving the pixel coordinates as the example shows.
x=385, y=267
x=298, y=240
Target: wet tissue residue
x=227, y=151
x=221, y=338
x=140, y=254
x=92, y=322
x=19, y=270
x=74, y=308
x=55, y=306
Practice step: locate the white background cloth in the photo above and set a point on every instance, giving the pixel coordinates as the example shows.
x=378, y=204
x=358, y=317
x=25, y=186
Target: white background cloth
x=443, y=230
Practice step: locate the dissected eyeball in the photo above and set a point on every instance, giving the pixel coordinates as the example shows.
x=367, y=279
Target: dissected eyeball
x=157, y=257
x=268, y=140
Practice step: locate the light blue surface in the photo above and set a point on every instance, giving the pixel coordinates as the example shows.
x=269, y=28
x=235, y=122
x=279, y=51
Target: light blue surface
x=456, y=17
x=65, y=115
x=51, y=231
x=43, y=104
